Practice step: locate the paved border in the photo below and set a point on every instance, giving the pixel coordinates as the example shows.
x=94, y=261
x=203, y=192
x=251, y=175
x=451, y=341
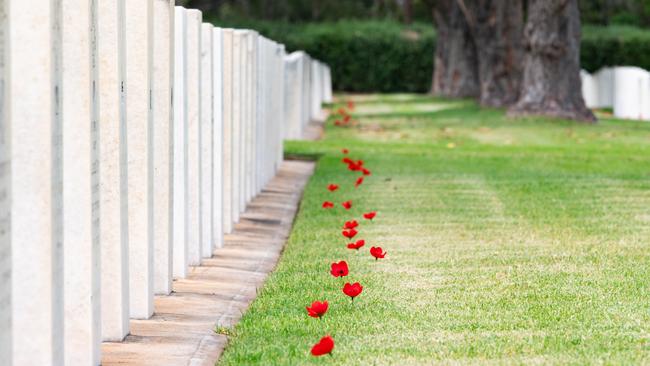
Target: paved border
x=182, y=330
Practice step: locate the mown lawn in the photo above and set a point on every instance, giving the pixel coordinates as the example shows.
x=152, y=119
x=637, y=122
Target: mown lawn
x=509, y=242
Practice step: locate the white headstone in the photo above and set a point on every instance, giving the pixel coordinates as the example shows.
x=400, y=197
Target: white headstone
x=35, y=143
x=293, y=96
x=163, y=64
x=605, y=83
x=194, y=20
x=217, y=138
x=112, y=171
x=243, y=122
x=81, y=250
x=138, y=32
x=589, y=89
x=237, y=113
x=631, y=93
x=228, y=151
x=179, y=186
x=327, y=84
x=251, y=115
x=205, y=140
x=5, y=202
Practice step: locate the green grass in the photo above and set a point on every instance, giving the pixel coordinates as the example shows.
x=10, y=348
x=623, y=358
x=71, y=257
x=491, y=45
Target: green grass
x=509, y=242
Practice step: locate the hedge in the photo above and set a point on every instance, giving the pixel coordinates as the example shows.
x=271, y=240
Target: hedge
x=385, y=56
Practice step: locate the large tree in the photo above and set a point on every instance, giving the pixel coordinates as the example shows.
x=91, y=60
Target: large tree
x=496, y=27
x=551, y=83
x=456, y=65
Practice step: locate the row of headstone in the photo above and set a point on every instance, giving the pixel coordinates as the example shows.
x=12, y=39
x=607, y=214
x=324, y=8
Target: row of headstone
x=624, y=89
x=132, y=136
x=309, y=84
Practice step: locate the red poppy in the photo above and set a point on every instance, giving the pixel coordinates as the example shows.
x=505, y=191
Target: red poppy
x=365, y=171
x=369, y=215
x=349, y=233
x=342, y=111
x=355, y=166
x=346, y=119
x=339, y=269
x=358, y=182
x=377, y=252
x=323, y=347
x=352, y=290
x=351, y=105
x=337, y=123
x=357, y=245
x=350, y=224
x=333, y=187
x=347, y=160
x=345, y=151
x=317, y=309
x=328, y=204
x=347, y=205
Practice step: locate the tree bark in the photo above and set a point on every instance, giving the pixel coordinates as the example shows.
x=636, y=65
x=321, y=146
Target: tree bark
x=456, y=67
x=497, y=29
x=551, y=83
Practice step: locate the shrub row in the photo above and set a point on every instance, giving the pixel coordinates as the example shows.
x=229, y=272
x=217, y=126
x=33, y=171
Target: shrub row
x=376, y=56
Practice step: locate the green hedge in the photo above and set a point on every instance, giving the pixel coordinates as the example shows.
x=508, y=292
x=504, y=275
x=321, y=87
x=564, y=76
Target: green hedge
x=376, y=56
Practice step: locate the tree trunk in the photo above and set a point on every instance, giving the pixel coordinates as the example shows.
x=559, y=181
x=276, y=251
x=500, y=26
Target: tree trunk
x=456, y=68
x=408, y=11
x=497, y=29
x=551, y=83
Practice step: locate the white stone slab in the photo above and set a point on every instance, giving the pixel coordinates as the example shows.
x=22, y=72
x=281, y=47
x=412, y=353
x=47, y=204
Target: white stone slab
x=138, y=31
x=228, y=151
x=81, y=250
x=217, y=138
x=5, y=203
x=631, y=93
x=36, y=247
x=248, y=137
x=327, y=84
x=163, y=57
x=237, y=113
x=589, y=89
x=315, y=92
x=179, y=186
x=112, y=171
x=293, y=95
x=279, y=104
x=205, y=141
x=194, y=20
x=244, y=121
x=605, y=81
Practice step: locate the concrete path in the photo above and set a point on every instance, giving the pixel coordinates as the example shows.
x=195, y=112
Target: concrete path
x=182, y=330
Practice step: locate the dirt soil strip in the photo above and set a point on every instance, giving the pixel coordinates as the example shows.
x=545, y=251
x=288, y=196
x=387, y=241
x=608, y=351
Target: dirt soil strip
x=216, y=293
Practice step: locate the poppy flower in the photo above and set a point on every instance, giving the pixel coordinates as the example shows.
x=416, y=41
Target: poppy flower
x=328, y=204
x=355, y=165
x=345, y=151
x=337, y=123
x=346, y=119
x=323, y=347
x=365, y=171
x=347, y=205
x=333, y=187
x=357, y=245
x=358, y=182
x=369, y=215
x=341, y=111
x=350, y=105
x=352, y=290
x=350, y=224
x=377, y=252
x=317, y=309
x=349, y=233
x=347, y=160
x=339, y=269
